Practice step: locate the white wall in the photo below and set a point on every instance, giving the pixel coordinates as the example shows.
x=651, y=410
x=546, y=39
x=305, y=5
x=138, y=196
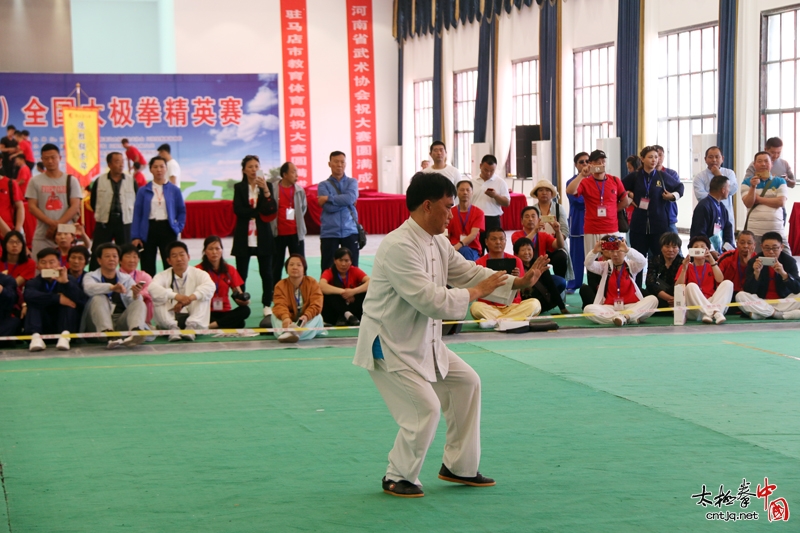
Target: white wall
x=248, y=40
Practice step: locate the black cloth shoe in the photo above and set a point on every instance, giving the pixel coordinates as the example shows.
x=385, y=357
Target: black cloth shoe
x=341, y=322
x=402, y=489
x=477, y=481
x=353, y=320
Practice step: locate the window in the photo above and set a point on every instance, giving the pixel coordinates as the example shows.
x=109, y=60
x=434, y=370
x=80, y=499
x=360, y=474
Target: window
x=465, y=88
x=595, y=95
x=687, y=94
x=524, y=103
x=423, y=119
x=780, y=90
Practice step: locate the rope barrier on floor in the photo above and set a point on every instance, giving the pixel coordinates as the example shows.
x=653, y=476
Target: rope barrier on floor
x=250, y=332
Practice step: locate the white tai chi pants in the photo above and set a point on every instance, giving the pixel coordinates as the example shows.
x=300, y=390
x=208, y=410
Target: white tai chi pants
x=199, y=315
x=415, y=405
x=708, y=306
x=605, y=314
x=759, y=309
x=100, y=315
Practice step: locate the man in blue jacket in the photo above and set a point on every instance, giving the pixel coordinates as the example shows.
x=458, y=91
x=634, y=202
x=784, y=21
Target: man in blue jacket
x=710, y=217
x=337, y=196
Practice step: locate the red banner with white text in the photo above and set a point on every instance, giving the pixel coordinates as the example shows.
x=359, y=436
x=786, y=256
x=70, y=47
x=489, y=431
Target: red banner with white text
x=296, y=115
x=362, y=93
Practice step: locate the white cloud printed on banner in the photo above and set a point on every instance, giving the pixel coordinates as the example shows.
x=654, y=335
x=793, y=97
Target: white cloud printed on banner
x=265, y=98
x=252, y=124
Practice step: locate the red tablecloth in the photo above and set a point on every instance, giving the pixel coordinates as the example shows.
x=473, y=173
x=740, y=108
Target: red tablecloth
x=379, y=213
x=794, y=229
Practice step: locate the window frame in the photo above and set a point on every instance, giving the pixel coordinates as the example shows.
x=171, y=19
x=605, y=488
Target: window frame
x=611, y=87
x=422, y=140
x=511, y=161
x=463, y=137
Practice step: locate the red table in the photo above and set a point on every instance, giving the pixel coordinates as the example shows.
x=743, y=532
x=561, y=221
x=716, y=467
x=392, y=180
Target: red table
x=378, y=212
x=794, y=229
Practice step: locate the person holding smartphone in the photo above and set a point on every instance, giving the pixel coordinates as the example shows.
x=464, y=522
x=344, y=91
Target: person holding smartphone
x=705, y=284
x=772, y=274
x=490, y=196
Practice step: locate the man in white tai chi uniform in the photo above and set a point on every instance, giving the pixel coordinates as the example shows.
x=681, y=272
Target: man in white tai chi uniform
x=400, y=341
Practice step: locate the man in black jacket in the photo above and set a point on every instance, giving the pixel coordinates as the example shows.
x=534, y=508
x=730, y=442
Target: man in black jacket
x=771, y=275
x=9, y=324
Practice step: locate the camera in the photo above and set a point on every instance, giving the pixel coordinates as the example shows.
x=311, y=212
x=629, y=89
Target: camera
x=697, y=252
x=242, y=297
x=610, y=245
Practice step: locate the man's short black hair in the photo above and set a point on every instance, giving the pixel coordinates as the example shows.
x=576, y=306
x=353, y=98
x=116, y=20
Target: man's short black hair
x=98, y=253
x=124, y=141
x=772, y=236
x=437, y=143
x=713, y=148
x=428, y=186
x=176, y=244
x=489, y=159
x=11, y=127
x=495, y=229
x=578, y=157
x=529, y=208
x=165, y=148
x=717, y=183
x=110, y=157
x=658, y=148
x=464, y=181
x=50, y=146
x=762, y=152
x=773, y=142
x=44, y=252
x=82, y=250
x=335, y=153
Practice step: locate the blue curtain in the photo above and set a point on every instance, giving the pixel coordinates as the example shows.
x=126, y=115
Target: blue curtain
x=485, y=55
x=628, y=30
x=437, y=87
x=548, y=56
x=727, y=83
x=400, y=93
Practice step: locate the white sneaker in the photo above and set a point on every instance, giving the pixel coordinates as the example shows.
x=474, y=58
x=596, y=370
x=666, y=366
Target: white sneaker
x=188, y=337
x=620, y=320
x=37, y=344
x=791, y=315
x=707, y=319
x=114, y=344
x=132, y=341
x=719, y=318
x=487, y=324
x=267, y=311
x=63, y=342
x=288, y=337
x=174, y=335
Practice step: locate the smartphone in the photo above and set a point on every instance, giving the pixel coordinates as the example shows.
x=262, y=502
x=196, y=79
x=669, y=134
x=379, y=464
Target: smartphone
x=140, y=283
x=49, y=273
x=767, y=261
x=727, y=247
x=548, y=219
x=697, y=252
x=66, y=228
x=598, y=169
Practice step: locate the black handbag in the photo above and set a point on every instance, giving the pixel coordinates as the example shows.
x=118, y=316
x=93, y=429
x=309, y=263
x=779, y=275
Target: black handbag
x=362, y=235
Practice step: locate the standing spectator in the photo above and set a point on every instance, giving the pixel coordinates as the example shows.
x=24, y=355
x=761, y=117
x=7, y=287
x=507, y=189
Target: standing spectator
x=181, y=294
x=12, y=208
x=706, y=286
x=23, y=173
x=466, y=224
x=673, y=207
x=764, y=195
x=226, y=280
x=438, y=154
x=129, y=264
x=173, y=168
x=53, y=198
x=255, y=208
x=710, y=218
x=425, y=164
x=51, y=300
x=344, y=287
x=734, y=262
x=112, y=198
x=603, y=195
x=115, y=300
x=298, y=303
x=337, y=196
x=138, y=175
x=490, y=195
x=9, y=147
x=662, y=270
x=133, y=155
x=702, y=180
x=159, y=215
x=25, y=147
x=577, y=212
x=651, y=192
x=633, y=163
x=289, y=227
x=778, y=279
x=780, y=167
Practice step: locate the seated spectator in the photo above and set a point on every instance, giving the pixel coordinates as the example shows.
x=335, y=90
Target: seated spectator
x=662, y=270
x=467, y=223
x=706, y=286
x=15, y=260
x=50, y=299
x=115, y=299
x=519, y=309
x=226, y=280
x=9, y=318
x=734, y=262
x=710, y=216
x=297, y=303
x=765, y=196
x=618, y=300
x=549, y=287
x=344, y=287
x=129, y=263
x=543, y=242
x=77, y=257
x=771, y=282
x=181, y=295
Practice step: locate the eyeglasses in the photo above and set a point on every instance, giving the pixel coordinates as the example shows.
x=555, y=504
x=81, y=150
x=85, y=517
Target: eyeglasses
x=583, y=161
x=771, y=248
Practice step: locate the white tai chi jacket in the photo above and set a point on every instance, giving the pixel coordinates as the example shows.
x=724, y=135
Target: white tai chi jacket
x=408, y=299
x=165, y=286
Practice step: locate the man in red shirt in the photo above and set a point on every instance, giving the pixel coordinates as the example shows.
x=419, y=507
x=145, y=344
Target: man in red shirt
x=771, y=275
x=25, y=147
x=133, y=154
x=467, y=223
x=734, y=262
x=543, y=243
x=603, y=195
x=519, y=309
x=12, y=209
x=618, y=299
